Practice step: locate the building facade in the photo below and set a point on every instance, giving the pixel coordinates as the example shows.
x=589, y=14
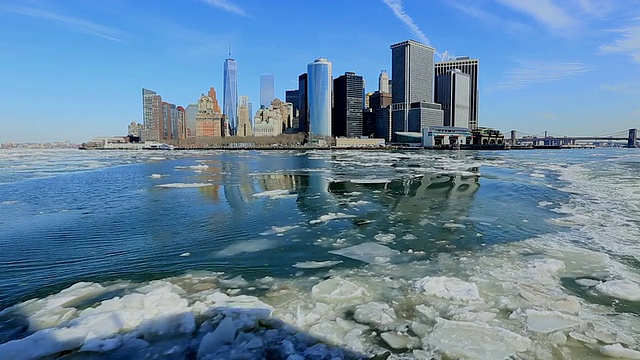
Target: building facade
x=379, y=100
x=209, y=124
x=383, y=82
x=348, y=104
x=151, y=115
x=267, y=90
x=216, y=105
x=190, y=112
x=453, y=92
x=230, y=99
x=245, y=127
x=134, y=129
x=293, y=97
x=303, y=100
x=469, y=67
x=268, y=122
x=319, y=94
x=413, y=84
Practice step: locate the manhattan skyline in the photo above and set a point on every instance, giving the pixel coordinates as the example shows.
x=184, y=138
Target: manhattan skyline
x=569, y=67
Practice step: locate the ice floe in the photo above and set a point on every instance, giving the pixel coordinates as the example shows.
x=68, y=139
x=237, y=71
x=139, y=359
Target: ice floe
x=448, y=288
x=183, y=185
x=331, y=216
x=276, y=194
x=247, y=246
x=475, y=340
x=620, y=289
x=315, y=264
x=370, y=252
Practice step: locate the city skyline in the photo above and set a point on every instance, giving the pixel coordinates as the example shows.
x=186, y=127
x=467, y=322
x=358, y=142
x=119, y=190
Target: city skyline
x=568, y=67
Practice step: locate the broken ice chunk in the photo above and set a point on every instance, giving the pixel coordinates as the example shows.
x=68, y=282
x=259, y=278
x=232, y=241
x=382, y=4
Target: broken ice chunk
x=448, y=288
x=338, y=290
x=620, y=289
x=370, y=252
x=374, y=313
x=475, y=340
x=549, y=321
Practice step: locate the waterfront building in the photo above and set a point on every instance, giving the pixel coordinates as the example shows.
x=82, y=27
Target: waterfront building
x=348, y=104
x=213, y=96
x=268, y=122
x=453, y=93
x=244, y=123
x=190, y=113
x=135, y=129
x=169, y=121
x=379, y=99
x=383, y=128
x=319, y=95
x=445, y=136
x=286, y=110
x=303, y=100
x=470, y=67
x=209, y=124
x=267, y=90
x=151, y=115
x=383, y=82
x=182, y=122
x=230, y=96
x=412, y=94
x=368, y=122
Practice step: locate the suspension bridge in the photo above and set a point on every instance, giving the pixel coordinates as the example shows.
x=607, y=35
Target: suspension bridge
x=545, y=138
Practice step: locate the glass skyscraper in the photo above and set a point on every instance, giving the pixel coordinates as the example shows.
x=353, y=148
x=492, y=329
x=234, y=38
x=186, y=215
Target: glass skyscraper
x=319, y=94
x=267, y=90
x=412, y=92
x=230, y=101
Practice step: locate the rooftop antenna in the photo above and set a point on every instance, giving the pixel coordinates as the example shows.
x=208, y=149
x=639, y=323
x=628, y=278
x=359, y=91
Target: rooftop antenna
x=229, y=46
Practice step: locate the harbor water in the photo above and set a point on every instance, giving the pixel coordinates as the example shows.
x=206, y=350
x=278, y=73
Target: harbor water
x=275, y=254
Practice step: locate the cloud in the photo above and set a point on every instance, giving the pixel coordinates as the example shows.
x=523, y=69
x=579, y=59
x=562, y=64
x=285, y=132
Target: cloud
x=226, y=6
x=398, y=10
x=628, y=43
x=543, y=11
x=80, y=25
x=622, y=88
x=540, y=72
x=488, y=18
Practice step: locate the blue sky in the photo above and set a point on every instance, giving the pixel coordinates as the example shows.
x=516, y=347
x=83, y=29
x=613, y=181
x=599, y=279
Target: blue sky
x=74, y=69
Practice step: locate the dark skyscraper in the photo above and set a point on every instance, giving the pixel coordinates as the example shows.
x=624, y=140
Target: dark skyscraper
x=469, y=67
x=267, y=90
x=348, y=104
x=304, y=103
x=379, y=100
x=230, y=100
x=293, y=96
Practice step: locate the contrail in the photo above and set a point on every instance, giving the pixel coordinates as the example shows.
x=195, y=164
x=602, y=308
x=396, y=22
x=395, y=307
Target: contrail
x=398, y=11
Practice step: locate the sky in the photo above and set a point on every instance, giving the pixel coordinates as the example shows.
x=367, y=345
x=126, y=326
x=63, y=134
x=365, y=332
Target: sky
x=74, y=69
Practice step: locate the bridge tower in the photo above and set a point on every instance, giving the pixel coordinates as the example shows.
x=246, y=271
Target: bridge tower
x=633, y=138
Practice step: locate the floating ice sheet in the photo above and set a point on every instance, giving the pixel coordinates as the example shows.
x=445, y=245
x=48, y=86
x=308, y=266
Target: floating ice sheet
x=315, y=264
x=371, y=252
x=183, y=185
x=247, y=246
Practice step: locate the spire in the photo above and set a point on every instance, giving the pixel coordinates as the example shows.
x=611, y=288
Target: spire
x=229, y=46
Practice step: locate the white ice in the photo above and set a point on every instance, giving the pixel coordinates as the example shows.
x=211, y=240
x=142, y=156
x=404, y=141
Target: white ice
x=331, y=216
x=448, y=288
x=315, y=264
x=184, y=185
x=370, y=252
x=247, y=246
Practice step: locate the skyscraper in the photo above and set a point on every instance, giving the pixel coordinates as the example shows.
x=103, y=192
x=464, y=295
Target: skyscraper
x=245, y=127
x=319, y=94
x=383, y=82
x=412, y=72
x=303, y=100
x=293, y=96
x=151, y=115
x=453, y=93
x=230, y=100
x=267, y=90
x=347, y=109
x=469, y=67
